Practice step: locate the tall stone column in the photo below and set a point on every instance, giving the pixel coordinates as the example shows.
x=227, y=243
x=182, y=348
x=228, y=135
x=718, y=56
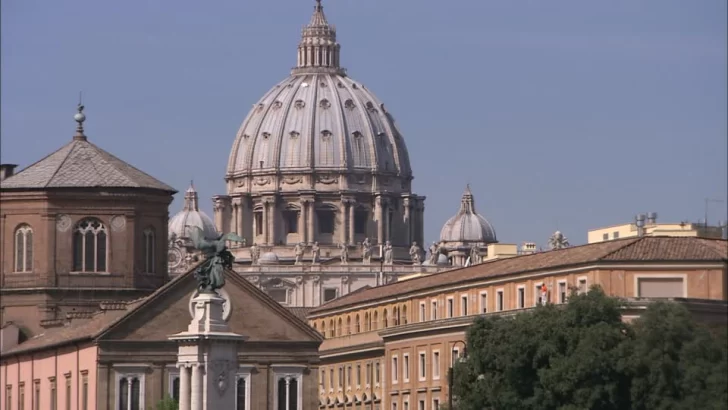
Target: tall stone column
x=352, y=208
x=196, y=387
x=311, y=205
x=302, y=221
x=222, y=212
x=380, y=220
x=272, y=213
x=344, y=221
x=265, y=222
x=184, y=387
x=387, y=220
x=408, y=220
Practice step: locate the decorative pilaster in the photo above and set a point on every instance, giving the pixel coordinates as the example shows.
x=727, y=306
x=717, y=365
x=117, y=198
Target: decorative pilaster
x=311, y=210
x=407, y=204
x=352, y=208
x=380, y=220
x=196, y=394
x=222, y=209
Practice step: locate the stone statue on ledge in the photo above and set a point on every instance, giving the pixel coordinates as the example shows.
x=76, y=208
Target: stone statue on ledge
x=366, y=251
x=210, y=274
x=344, y=253
x=415, y=254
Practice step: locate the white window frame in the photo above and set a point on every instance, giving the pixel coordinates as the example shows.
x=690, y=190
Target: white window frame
x=405, y=368
x=520, y=301
x=682, y=276
x=123, y=370
x=435, y=403
x=291, y=371
x=173, y=373
x=500, y=300
x=452, y=356
x=483, y=307
x=395, y=369
x=422, y=365
x=421, y=405
x=586, y=284
x=347, y=377
x=245, y=372
x=537, y=293
x=566, y=291
x=433, y=309
x=464, y=303
x=423, y=312
x=450, y=307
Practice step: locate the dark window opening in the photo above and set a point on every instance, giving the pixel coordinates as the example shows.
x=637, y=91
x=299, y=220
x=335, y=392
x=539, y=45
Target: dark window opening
x=360, y=221
x=279, y=295
x=241, y=394
x=329, y=294
x=290, y=219
x=326, y=221
x=258, y=223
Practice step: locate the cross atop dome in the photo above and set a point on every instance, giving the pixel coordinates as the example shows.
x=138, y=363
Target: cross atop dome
x=318, y=51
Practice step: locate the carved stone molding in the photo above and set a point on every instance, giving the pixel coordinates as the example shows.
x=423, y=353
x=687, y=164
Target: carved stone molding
x=260, y=181
x=291, y=180
x=63, y=222
x=299, y=280
x=327, y=179
x=316, y=279
x=118, y=223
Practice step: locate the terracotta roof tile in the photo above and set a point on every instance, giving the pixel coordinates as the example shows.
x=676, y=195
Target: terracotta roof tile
x=82, y=164
x=622, y=250
x=300, y=312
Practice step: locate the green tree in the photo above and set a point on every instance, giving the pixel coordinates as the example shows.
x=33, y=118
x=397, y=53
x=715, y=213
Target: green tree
x=582, y=356
x=167, y=403
x=677, y=363
x=550, y=358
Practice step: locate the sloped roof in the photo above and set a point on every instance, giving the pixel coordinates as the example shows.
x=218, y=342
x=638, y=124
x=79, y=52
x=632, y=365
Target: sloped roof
x=644, y=249
x=104, y=321
x=81, y=164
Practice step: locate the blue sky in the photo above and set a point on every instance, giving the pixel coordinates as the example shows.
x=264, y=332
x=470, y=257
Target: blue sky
x=564, y=115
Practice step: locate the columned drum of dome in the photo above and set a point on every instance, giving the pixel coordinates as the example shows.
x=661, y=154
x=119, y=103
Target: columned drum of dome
x=320, y=159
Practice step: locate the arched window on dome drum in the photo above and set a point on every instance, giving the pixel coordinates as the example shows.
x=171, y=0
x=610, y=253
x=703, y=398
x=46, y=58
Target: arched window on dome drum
x=258, y=221
x=326, y=220
x=90, y=240
x=24, y=248
x=149, y=248
x=290, y=220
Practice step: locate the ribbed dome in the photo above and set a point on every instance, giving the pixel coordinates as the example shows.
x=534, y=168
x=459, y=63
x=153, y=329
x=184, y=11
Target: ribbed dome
x=467, y=225
x=318, y=119
x=191, y=215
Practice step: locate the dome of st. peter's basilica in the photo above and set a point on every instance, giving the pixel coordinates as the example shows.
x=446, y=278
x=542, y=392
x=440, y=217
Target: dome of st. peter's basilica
x=319, y=159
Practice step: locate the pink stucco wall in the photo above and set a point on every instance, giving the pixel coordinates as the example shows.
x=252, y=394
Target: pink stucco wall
x=64, y=364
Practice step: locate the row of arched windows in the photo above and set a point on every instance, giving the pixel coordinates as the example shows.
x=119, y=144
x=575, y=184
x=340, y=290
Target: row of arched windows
x=371, y=322
x=90, y=247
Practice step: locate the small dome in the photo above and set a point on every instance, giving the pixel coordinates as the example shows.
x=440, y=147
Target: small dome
x=468, y=225
x=268, y=258
x=442, y=260
x=190, y=216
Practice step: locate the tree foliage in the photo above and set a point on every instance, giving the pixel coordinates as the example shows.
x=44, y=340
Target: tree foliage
x=583, y=356
x=167, y=403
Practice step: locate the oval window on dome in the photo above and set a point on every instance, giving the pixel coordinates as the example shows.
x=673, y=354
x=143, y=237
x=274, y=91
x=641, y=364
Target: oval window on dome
x=324, y=104
x=349, y=104
x=299, y=104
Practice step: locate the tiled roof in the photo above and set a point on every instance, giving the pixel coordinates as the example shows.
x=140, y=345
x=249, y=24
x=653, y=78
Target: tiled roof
x=300, y=312
x=81, y=164
x=645, y=249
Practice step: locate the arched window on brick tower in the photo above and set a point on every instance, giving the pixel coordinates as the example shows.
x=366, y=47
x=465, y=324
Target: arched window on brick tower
x=24, y=248
x=90, y=246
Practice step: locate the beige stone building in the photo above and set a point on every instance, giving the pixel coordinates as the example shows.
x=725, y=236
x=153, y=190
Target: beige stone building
x=647, y=225
x=391, y=347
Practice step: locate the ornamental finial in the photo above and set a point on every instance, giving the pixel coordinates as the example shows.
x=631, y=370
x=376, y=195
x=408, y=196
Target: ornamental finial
x=79, y=117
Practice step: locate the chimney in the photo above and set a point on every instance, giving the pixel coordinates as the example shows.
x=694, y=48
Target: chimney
x=6, y=171
x=639, y=220
x=652, y=218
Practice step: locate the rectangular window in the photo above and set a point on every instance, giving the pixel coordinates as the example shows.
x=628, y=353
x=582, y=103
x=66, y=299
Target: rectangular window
x=366, y=376
x=435, y=404
x=36, y=394
x=454, y=355
x=9, y=396
x=258, y=219
x=287, y=393
x=360, y=222
x=290, y=221
x=582, y=286
x=449, y=307
x=436, y=365
x=521, y=297
x=421, y=406
x=68, y=392
x=464, y=305
x=433, y=310
x=615, y=235
x=562, y=292
x=422, y=312
x=660, y=287
x=341, y=377
x=605, y=237
x=539, y=294
x=358, y=375
x=130, y=392
x=242, y=393
x=406, y=405
x=484, y=302
x=499, y=301
x=423, y=366
x=331, y=379
x=394, y=369
x=330, y=294
x=325, y=221
x=376, y=373
x=21, y=396
x=405, y=367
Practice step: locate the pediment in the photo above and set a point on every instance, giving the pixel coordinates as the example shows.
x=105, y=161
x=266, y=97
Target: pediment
x=252, y=314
